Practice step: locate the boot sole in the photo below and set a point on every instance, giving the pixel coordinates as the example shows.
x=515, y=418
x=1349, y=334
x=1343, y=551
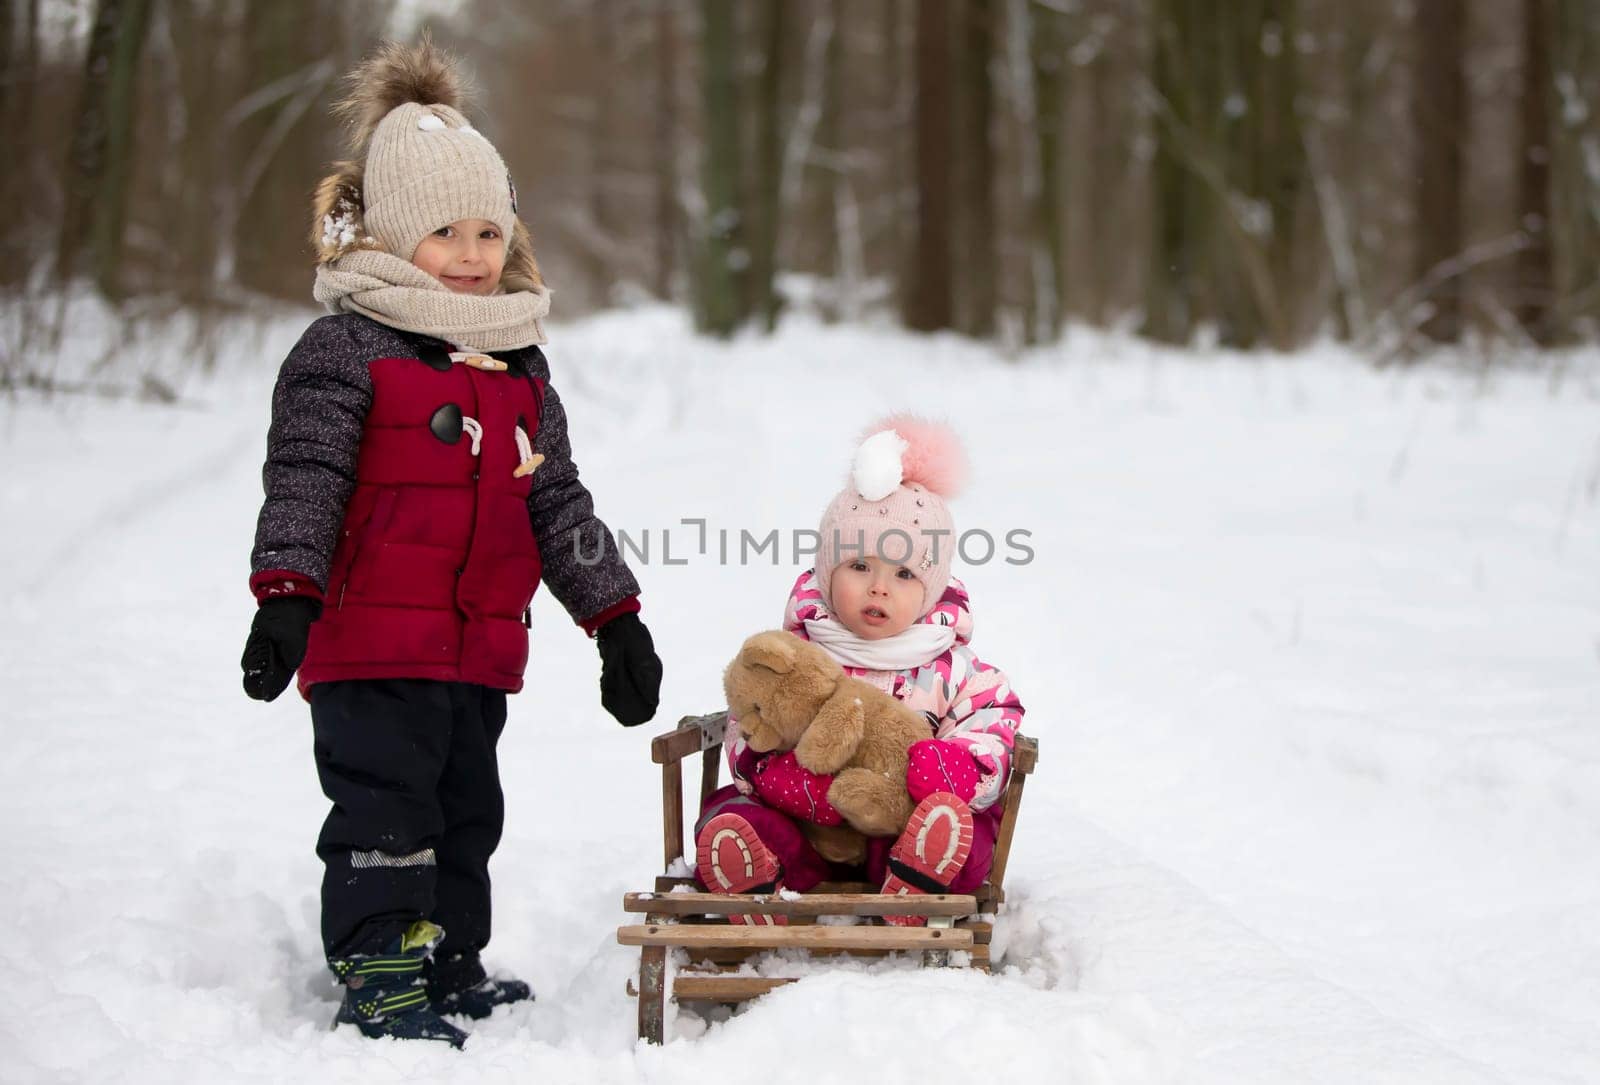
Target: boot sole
x=730, y=858
x=936, y=842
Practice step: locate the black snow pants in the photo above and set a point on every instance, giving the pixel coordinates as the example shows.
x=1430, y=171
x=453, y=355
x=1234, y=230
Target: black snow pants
x=417, y=810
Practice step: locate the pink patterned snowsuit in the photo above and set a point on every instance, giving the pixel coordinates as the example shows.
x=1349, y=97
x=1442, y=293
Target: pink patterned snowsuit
x=970, y=707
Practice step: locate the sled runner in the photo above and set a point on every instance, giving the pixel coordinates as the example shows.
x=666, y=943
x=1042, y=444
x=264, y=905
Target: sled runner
x=678, y=916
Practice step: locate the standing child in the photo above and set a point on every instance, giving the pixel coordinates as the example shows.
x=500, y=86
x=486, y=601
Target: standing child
x=882, y=602
x=419, y=485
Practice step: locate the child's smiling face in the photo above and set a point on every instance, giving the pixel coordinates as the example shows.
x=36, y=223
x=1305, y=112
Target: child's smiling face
x=467, y=256
x=873, y=598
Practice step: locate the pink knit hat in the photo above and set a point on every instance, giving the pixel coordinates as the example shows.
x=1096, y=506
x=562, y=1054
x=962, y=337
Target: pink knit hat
x=894, y=504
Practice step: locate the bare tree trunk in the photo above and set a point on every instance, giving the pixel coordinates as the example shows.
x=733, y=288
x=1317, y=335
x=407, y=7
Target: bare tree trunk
x=719, y=305
x=1439, y=106
x=830, y=156
x=28, y=69
x=929, y=297
x=1229, y=175
x=1178, y=222
x=892, y=21
x=1275, y=171
x=1049, y=94
x=101, y=162
x=976, y=166
x=666, y=147
x=602, y=135
x=769, y=167
x=848, y=249
x=1535, y=264
x=276, y=156
x=10, y=77
x=203, y=47
x=1338, y=120
x=19, y=54
x=1576, y=196
x=1108, y=204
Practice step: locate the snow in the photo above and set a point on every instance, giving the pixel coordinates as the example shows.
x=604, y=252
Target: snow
x=1312, y=652
x=337, y=232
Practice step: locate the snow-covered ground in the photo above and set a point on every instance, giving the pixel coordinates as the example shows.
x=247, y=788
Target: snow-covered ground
x=1312, y=652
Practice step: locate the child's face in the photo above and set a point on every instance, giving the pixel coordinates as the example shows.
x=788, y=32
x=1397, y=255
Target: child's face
x=467, y=256
x=874, y=598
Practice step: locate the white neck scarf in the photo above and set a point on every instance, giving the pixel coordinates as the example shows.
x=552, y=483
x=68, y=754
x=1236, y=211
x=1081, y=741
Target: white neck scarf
x=912, y=648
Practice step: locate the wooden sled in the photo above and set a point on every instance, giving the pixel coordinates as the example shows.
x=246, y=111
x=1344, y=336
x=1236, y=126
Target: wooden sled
x=678, y=916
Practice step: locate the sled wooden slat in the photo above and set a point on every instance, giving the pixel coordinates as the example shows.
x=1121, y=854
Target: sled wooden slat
x=736, y=956
x=1025, y=755
x=767, y=937
x=725, y=988
x=731, y=958
x=667, y=883
x=678, y=916
x=987, y=896
x=809, y=904
x=693, y=734
x=672, y=812
x=1008, y=827
x=981, y=932
x=652, y=989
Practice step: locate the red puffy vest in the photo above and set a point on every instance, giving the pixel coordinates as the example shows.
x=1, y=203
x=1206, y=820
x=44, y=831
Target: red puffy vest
x=436, y=561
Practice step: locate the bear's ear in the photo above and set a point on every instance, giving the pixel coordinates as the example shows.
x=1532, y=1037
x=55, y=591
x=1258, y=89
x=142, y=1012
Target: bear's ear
x=774, y=651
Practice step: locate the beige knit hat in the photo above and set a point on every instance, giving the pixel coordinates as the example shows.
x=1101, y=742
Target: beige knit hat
x=418, y=164
x=426, y=168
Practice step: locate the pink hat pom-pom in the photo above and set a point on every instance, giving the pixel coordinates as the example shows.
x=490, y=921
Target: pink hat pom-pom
x=934, y=458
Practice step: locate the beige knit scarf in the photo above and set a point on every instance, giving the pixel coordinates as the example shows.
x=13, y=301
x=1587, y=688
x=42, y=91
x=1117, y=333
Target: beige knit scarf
x=401, y=295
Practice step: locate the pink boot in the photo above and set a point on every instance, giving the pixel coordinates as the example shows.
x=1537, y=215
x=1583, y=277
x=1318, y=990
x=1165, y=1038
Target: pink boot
x=930, y=852
x=730, y=858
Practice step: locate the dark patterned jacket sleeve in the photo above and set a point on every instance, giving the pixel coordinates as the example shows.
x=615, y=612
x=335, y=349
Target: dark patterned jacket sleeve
x=564, y=521
x=318, y=408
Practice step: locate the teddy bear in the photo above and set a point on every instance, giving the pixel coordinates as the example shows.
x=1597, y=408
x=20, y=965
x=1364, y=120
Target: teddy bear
x=788, y=694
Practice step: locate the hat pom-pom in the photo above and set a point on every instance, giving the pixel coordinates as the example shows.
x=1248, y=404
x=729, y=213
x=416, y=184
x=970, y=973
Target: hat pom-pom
x=878, y=466
x=930, y=454
x=392, y=76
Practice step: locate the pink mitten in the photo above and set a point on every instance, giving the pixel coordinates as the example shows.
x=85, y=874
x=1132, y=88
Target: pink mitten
x=784, y=785
x=937, y=765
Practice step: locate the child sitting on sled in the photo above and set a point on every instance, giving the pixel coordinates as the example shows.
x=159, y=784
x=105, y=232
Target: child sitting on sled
x=882, y=602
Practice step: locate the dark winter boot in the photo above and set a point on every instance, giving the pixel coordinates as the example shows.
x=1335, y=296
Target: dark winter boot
x=458, y=984
x=384, y=993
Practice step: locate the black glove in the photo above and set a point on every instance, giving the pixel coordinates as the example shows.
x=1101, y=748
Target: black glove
x=277, y=644
x=630, y=671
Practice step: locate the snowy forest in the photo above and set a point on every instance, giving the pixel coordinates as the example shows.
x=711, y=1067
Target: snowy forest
x=1263, y=173
x=1270, y=330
